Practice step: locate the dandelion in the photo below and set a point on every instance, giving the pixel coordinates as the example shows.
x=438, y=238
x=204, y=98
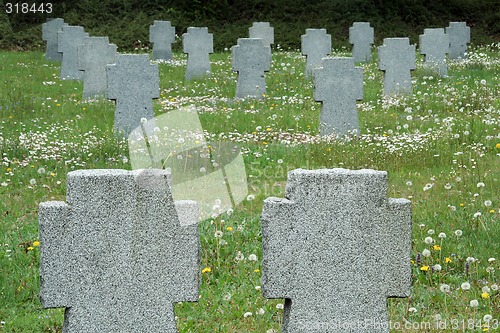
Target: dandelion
x=444, y=288
x=485, y=295
x=497, y=146
x=426, y=253
x=442, y=235
x=250, y=197
x=239, y=256
x=409, y=183
x=424, y=268
x=280, y=306
x=488, y=203
x=260, y=311
x=252, y=257
x=436, y=247
x=483, y=82
x=258, y=288
x=229, y=228
x=447, y=260
x=218, y=234
x=247, y=314
x=470, y=260
x=480, y=184
x=41, y=171
x=412, y=310
x=222, y=242
x=447, y=186
x=491, y=260
x=206, y=270
x=494, y=287
x=227, y=297
x=458, y=232
x=436, y=267
x=428, y=240
x=430, y=231
x=4, y=184
x=474, y=303
x=485, y=289
x=487, y=318
x=465, y=286
x=33, y=181
x=476, y=215
x=36, y=243
x=256, y=270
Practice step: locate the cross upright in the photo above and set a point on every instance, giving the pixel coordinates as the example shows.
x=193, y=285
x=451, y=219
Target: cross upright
x=49, y=34
x=336, y=248
x=117, y=254
x=69, y=38
x=397, y=59
x=251, y=59
x=315, y=45
x=459, y=35
x=133, y=82
x=262, y=30
x=93, y=56
x=162, y=35
x=198, y=44
x=338, y=85
x=361, y=37
x=435, y=44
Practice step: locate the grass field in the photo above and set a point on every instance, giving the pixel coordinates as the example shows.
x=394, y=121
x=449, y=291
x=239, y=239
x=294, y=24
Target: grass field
x=440, y=147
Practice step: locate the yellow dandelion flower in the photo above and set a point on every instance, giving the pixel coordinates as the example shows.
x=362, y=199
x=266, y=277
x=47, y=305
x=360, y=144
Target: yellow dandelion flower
x=448, y=260
x=229, y=228
x=256, y=270
x=268, y=129
x=206, y=270
x=412, y=261
x=424, y=268
x=36, y=243
x=9, y=169
x=84, y=109
x=30, y=248
x=497, y=146
x=492, y=211
x=58, y=104
x=485, y=295
x=461, y=205
x=436, y=247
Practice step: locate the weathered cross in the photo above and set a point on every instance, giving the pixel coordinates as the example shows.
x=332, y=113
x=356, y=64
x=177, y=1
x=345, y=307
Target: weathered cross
x=338, y=85
x=198, y=44
x=251, y=59
x=119, y=253
x=69, y=38
x=262, y=30
x=361, y=37
x=315, y=45
x=435, y=44
x=397, y=59
x=459, y=35
x=49, y=34
x=93, y=56
x=162, y=35
x=133, y=82
x=336, y=248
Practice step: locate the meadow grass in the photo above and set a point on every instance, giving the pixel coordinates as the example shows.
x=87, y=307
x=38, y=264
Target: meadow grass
x=440, y=147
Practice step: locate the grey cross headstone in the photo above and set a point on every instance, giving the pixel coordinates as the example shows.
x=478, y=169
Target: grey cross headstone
x=397, y=59
x=69, y=38
x=251, y=59
x=435, y=44
x=336, y=248
x=459, y=35
x=49, y=34
x=262, y=30
x=162, y=35
x=361, y=37
x=93, y=56
x=198, y=44
x=133, y=82
x=338, y=84
x=119, y=252
x=315, y=45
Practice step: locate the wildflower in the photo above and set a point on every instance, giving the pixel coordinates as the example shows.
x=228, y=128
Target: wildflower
x=436, y=247
x=470, y=259
x=222, y=242
x=497, y=146
x=476, y=215
x=218, y=234
x=447, y=260
x=206, y=270
x=465, y=286
x=413, y=310
x=41, y=171
x=485, y=295
x=30, y=248
x=444, y=288
x=442, y=235
x=480, y=184
x=428, y=240
x=280, y=306
x=256, y=270
x=430, y=231
x=250, y=197
x=485, y=289
x=483, y=82
x=257, y=288
x=260, y=311
x=36, y=243
x=227, y=297
x=447, y=186
x=437, y=317
x=474, y=303
x=494, y=287
x=487, y=318
x=436, y=267
x=247, y=314
x=426, y=253
x=491, y=260
x=252, y=257
x=458, y=233
x=424, y=268
x=229, y=228
x=4, y=184
x=488, y=203
x=239, y=256
x=33, y=181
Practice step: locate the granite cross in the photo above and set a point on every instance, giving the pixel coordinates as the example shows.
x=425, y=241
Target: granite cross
x=397, y=59
x=69, y=38
x=162, y=35
x=49, y=34
x=264, y=31
x=315, y=45
x=198, y=44
x=459, y=35
x=435, y=44
x=361, y=37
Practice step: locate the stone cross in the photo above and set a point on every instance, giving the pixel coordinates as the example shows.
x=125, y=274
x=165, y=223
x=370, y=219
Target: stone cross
x=459, y=35
x=336, y=248
x=69, y=38
x=49, y=34
x=435, y=44
x=93, y=56
x=133, y=82
x=197, y=43
x=397, y=59
x=361, y=37
x=338, y=85
x=251, y=59
x=262, y=30
x=162, y=35
x=315, y=45
x=118, y=253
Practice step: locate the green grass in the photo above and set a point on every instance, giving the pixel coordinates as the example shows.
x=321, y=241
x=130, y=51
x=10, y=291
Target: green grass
x=444, y=138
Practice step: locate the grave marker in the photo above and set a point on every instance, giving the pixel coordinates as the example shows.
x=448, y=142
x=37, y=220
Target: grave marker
x=397, y=59
x=262, y=30
x=116, y=254
x=361, y=37
x=251, y=59
x=49, y=34
x=315, y=45
x=198, y=44
x=133, y=82
x=162, y=35
x=93, y=56
x=435, y=44
x=336, y=248
x=69, y=38
x=459, y=35
x=338, y=84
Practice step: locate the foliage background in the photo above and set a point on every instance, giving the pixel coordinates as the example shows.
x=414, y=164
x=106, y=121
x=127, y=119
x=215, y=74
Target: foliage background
x=126, y=22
